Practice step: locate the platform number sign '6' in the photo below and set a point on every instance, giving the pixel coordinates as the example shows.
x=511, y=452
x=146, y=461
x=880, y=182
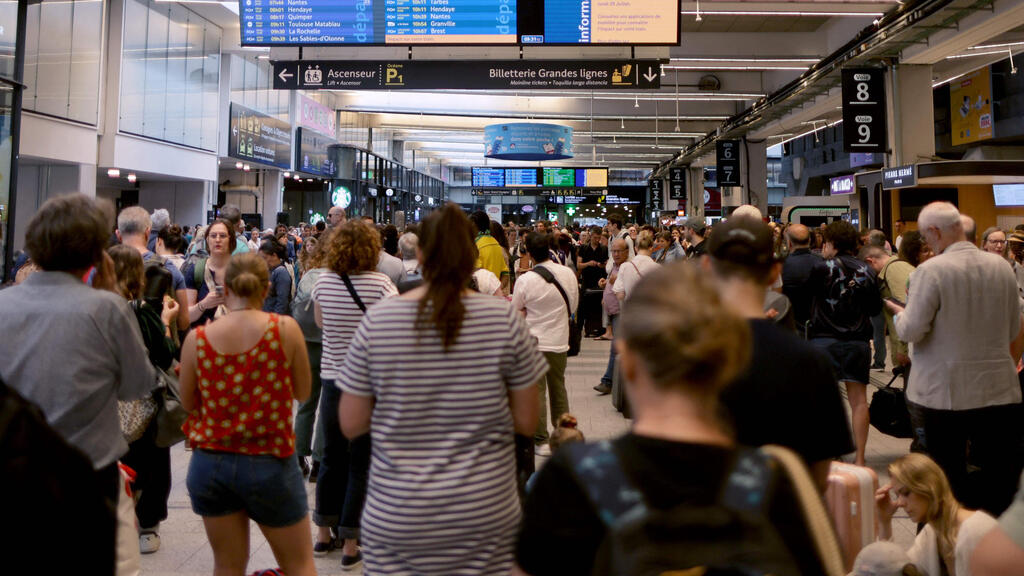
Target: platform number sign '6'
x=727, y=162
x=864, y=110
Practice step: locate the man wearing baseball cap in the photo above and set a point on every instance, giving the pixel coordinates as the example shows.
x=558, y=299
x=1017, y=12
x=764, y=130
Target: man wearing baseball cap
x=788, y=395
x=694, y=229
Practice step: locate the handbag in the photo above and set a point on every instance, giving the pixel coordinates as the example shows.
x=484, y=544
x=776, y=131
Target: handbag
x=575, y=333
x=888, y=409
x=135, y=416
x=171, y=414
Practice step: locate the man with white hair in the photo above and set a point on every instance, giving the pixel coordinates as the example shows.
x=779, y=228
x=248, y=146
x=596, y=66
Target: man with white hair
x=961, y=318
x=160, y=219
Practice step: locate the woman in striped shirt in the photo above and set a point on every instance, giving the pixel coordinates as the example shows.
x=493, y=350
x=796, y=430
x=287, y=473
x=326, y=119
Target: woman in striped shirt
x=443, y=397
x=342, y=294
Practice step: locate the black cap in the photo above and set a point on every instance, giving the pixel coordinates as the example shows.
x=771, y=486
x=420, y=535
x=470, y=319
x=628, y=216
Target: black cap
x=744, y=241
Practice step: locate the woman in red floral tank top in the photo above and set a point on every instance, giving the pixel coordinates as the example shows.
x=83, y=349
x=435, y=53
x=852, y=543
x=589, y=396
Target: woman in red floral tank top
x=239, y=377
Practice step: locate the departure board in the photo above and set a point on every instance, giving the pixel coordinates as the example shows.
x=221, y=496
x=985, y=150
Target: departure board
x=521, y=177
x=591, y=177
x=459, y=22
x=557, y=177
x=489, y=177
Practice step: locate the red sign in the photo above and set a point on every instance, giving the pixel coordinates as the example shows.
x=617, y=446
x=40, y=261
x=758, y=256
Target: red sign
x=712, y=199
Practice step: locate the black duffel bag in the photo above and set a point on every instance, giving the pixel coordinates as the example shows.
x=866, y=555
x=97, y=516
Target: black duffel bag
x=888, y=410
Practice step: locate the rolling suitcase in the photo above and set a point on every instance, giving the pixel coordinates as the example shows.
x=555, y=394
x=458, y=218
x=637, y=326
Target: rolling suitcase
x=850, y=498
x=619, y=399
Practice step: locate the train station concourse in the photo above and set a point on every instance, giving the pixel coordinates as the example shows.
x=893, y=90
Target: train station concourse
x=284, y=285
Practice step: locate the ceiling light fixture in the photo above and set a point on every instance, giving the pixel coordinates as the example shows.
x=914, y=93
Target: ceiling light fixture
x=1003, y=45
x=677, y=102
x=114, y=173
x=636, y=102
x=973, y=54
x=246, y=168
x=1013, y=69
x=698, y=18
x=287, y=174
x=238, y=165
x=622, y=123
x=132, y=178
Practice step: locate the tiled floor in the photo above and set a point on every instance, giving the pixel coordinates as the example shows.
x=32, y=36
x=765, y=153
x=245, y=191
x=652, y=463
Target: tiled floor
x=185, y=551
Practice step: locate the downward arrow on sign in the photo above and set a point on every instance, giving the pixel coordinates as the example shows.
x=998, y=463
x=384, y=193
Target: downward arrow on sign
x=651, y=74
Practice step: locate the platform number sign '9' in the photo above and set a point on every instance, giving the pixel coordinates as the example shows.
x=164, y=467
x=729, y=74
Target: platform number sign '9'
x=864, y=110
x=727, y=162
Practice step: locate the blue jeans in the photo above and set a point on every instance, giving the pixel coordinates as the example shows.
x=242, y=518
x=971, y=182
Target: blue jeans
x=306, y=416
x=609, y=372
x=344, y=470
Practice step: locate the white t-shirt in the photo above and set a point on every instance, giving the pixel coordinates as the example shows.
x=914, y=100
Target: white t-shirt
x=925, y=551
x=631, y=272
x=624, y=234
x=545, y=309
x=487, y=282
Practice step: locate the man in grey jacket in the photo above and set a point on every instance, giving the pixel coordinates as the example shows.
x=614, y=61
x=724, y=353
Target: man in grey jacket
x=961, y=317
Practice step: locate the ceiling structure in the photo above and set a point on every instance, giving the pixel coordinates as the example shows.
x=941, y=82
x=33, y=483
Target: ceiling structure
x=756, y=51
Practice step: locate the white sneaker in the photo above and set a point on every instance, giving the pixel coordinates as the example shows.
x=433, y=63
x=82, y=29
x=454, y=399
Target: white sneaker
x=149, y=542
x=542, y=450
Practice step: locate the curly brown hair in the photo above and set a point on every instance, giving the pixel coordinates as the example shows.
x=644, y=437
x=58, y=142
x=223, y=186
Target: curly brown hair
x=352, y=248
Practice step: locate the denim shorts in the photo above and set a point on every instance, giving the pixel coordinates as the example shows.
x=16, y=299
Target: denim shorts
x=268, y=489
x=851, y=359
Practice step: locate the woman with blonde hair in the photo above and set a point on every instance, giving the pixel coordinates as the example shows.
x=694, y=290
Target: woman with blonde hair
x=946, y=543
x=239, y=377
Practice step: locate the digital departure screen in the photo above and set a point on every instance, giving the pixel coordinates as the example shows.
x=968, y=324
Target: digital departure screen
x=591, y=177
x=559, y=177
x=460, y=22
x=489, y=177
x=521, y=177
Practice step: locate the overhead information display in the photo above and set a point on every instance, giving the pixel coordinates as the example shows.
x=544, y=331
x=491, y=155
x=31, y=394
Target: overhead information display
x=556, y=180
x=520, y=177
x=591, y=177
x=559, y=177
x=489, y=177
x=466, y=74
x=459, y=22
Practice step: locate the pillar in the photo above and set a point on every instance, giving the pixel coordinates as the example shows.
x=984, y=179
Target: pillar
x=911, y=122
x=754, y=174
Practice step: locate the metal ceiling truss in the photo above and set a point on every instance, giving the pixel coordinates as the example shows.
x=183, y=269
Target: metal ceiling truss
x=875, y=46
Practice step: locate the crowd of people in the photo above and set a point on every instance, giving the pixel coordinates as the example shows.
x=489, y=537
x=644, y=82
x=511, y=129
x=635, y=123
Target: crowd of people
x=413, y=375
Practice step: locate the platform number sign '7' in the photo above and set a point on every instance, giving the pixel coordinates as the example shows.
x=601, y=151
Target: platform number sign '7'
x=727, y=162
x=864, y=110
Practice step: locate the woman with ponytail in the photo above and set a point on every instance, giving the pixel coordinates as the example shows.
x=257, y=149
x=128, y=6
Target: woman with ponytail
x=239, y=377
x=443, y=398
x=945, y=544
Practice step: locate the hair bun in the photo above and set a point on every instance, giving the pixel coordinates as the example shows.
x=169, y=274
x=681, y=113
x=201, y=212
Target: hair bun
x=567, y=421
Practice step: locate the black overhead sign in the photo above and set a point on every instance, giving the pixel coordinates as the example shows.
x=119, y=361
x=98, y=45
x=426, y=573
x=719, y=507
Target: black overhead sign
x=864, y=110
x=677, y=183
x=655, y=188
x=899, y=177
x=727, y=162
x=259, y=138
x=467, y=75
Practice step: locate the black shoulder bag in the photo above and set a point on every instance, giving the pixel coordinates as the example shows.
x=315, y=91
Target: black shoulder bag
x=575, y=334
x=352, y=292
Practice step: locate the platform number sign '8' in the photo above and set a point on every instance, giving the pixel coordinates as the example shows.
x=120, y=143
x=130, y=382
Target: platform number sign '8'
x=727, y=162
x=864, y=110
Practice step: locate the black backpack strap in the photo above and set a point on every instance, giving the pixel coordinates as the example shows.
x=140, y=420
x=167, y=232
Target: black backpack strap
x=747, y=489
x=550, y=279
x=352, y=292
x=599, y=471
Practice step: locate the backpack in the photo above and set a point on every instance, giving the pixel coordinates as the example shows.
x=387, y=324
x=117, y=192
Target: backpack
x=732, y=536
x=303, y=310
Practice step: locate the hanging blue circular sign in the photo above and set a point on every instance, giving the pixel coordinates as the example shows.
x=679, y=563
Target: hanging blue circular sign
x=528, y=141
